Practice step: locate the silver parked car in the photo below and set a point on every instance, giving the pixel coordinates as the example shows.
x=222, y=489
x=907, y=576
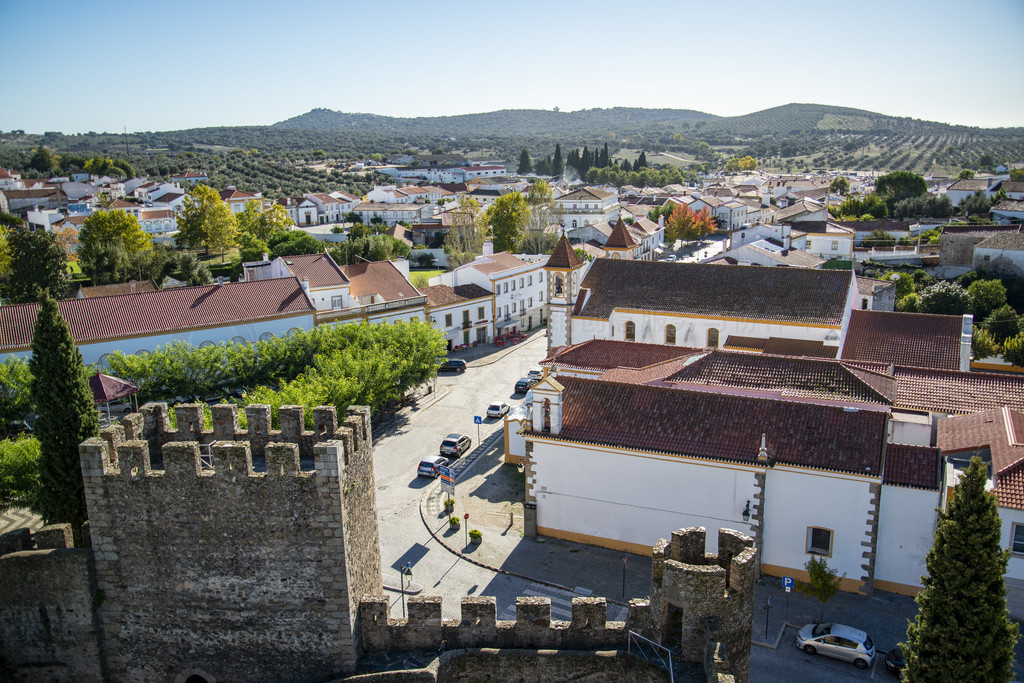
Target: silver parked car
x=836, y=640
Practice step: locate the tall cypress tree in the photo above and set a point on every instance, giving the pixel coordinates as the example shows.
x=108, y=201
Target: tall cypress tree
x=525, y=165
x=962, y=632
x=585, y=161
x=556, y=163
x=641, y=161
x=604, y=156
x=37, y=261
x=67, y=416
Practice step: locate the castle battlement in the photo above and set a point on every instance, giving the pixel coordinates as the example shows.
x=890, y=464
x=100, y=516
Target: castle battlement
x=478, y=626
x=684, y=556
x=52, y=537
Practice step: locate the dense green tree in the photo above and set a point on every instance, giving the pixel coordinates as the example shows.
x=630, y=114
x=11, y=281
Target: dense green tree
x=465, y=238
x=966, y=174
x=1003, y=323
x=43, y=160
x=67, y=416
x=947, y=298
x=853, y=208
x=898, y=185
x=603, y=162
x=839, y=185
x=982, y=343
x=118, y=225
x=932, y=206
x=19, y=473
x=977, y=204
x=507, y=217
x=205, y=220
x=1017, y=175
x=823, y=582
x=880, y=239
x=962, y=631
x=294, y=243
x=189, y=269
x=262, y=225
x=106, y=262
x=1013, y=350
x=525, y=165
x=15, y=385
x=37, y=262
x=986, y=296
x=556, y=163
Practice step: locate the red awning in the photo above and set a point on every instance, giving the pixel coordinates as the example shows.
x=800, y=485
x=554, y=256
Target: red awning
x=106, y=388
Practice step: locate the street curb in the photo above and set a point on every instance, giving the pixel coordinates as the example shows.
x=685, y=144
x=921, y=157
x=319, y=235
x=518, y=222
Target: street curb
x=484, y=565
x=495, y=357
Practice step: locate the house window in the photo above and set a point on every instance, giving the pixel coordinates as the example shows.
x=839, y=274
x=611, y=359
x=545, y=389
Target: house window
x=531, y=302
x=506, y=288
x=521, y=283
x=336, y=302
x=713, y=338
x=864, y=304
x=558, y=285
x=670, y=334
x=1018, y=539
x=513, y=285
x=480, y=313
x=630, y=330
x=819, y=541
x=540, y=277
x=448, y=320
x=835, y=245
x=465, y=317
x=529, y=281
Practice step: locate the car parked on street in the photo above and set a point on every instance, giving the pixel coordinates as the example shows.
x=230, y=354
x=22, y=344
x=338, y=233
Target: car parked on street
x=454, y=445
x=839, y=641
x=431, y=466
x=539, y=374
x=895, y=661
x=497, y=409
x=525, y=384
x=453, y=365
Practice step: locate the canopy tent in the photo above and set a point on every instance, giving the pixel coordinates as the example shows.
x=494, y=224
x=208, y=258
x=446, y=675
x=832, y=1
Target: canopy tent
x=106, y=389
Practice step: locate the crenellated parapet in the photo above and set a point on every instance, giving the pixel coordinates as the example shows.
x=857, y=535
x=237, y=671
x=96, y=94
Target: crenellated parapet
x=693, y=591
x=478, y=626
x=152, y=424
x=215, y=532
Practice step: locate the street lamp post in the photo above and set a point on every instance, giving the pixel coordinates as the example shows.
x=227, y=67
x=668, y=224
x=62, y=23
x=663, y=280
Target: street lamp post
x=405, y=571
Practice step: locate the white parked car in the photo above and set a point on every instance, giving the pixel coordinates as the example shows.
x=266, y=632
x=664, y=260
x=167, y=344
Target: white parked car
x=839, y=641
x=497, y=409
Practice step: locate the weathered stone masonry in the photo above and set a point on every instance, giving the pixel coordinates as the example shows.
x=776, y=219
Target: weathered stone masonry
x=227, y=571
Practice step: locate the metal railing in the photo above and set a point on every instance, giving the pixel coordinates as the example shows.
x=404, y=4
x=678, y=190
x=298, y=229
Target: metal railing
x=651, y=652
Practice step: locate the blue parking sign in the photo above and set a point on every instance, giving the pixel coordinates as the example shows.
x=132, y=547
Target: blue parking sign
x=787, y=583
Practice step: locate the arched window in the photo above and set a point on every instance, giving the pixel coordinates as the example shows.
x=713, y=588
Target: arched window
x=547, y=415
x=266, y=335
x=630, y=330
x=558, y=285
x=670, y=334
x=712, y=338
x=141, y=352
x=206, y=343
x=238, y=340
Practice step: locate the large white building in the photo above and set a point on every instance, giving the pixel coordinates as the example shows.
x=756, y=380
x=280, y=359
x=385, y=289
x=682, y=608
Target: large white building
x=587, y=206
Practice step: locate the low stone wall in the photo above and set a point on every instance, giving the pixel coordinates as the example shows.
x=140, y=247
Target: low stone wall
x=48, y=627
x=533, y=628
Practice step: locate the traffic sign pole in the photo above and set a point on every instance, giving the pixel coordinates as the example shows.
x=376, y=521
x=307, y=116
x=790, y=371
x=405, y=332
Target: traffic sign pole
x=479, y=421
x=467, y=529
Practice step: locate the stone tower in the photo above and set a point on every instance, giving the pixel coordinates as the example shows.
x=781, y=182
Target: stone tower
x=239, y=559
x=699, y=597
x=565, y=273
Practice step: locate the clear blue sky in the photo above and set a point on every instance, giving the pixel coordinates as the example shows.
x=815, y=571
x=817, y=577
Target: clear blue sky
x=103, y=66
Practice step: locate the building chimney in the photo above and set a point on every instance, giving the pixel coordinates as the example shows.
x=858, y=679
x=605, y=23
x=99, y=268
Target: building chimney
x=966, y=335
x=305, y=284
x=266, y=256
x=488, y=248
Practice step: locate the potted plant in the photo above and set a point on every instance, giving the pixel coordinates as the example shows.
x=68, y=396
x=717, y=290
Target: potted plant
x=449, y=505
x=453, y=522
x=475, y=537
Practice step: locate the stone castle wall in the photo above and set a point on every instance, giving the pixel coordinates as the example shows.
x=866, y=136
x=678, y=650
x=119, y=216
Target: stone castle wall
x=533, y=628
x=48, y=626
x=208, y=565
x=699, y=598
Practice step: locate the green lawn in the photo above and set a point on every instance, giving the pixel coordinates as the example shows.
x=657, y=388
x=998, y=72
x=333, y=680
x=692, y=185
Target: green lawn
x=419, y=277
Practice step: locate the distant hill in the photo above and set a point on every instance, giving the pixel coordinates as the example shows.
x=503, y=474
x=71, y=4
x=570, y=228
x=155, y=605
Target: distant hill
x=505, y=123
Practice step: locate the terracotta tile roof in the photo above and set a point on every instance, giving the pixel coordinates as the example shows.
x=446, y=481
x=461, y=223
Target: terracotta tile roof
x=380, y=278
x=984, y=230
x=1001, y=432
x=722, y=426
x=496, y=263
x=782, y=346
x=866, y=285
x=443, y=295
x=232, y=194
x=122, y=204
x=789, y=257
x=969, y=185
x=319, y=269
x=787, y=376
x=909, y=339
x=586, y=194
x=955, y=392
x=606, y=354
x=650, y=374
x=799, y=295
x=400, y=233
x=620, y=238
x=918, y=467
x=1008, y=240
x=167, y=310
x=749, y=343
x=131, y=287
x=564, y=256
